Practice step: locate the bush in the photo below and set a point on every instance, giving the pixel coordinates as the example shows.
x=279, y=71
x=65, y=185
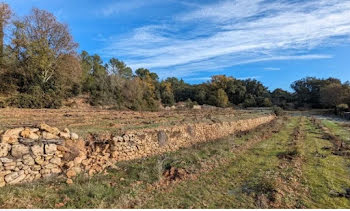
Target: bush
x=341, y=108
x=189, y=103
x=25, y=101
x=49, y=100
x=278, y=111
x=267, y=102
x=3, y=104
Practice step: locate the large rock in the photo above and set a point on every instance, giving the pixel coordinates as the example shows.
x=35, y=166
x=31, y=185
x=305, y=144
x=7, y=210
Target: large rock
x=74, y=136
x=56, y=170
x=11, y=136
x=18, y=150
x=4, y=149
x=18, y=179
x=38, y=150
x=56, y=161
x=13, y=132
x=28, y=160
x=71, y=173
x=65, y=135
x=10, y=177
x=47, y=128
x=162, y=138
x=6, y=160
x=50, y=149
x=28, y=133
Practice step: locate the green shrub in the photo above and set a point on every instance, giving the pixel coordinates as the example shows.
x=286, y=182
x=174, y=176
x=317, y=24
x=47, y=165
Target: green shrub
x=278, y=111
x=267, y=102
x=3, y=104
x=341, y=108
x=49, y=100
x=25, y=101
x=189, y=103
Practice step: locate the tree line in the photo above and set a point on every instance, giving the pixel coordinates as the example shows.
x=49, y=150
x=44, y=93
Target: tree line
x=40, y=68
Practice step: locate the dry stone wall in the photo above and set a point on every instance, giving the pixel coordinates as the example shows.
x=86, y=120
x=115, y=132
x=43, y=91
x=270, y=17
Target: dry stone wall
x=27, y=154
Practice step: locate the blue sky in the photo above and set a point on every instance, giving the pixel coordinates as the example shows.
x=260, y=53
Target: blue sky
x=274, y=41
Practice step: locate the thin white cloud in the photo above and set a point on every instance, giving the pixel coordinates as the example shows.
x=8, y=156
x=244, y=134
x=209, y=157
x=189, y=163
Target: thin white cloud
x=199, y=79
x=236, y=32
x=116, y=8
x=272, y=68
x=218, y=64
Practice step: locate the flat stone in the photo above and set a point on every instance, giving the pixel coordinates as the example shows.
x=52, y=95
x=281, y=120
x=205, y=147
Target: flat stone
x=29, y=134
x=10, y=177
x=6, y=160
x=65, y=135
x=45, y=171
x=26, y=141
x=53, y=141
x=49, y=136
x=36, y=167
x=47, y=128
x=50, y=166
x=18, y=179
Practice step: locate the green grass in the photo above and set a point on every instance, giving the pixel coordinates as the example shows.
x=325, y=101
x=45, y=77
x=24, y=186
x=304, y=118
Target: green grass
x=324, y=172
x=338, y=130
x=232, y=185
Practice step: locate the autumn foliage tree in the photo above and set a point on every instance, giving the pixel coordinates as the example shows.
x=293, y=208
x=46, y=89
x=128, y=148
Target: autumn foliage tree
x=44, y=67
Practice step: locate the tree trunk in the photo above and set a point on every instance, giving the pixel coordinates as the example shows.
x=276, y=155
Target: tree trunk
x=1, y=43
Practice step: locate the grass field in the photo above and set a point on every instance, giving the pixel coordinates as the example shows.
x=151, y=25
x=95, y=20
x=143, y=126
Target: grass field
x=93, y=120
x=287, y=163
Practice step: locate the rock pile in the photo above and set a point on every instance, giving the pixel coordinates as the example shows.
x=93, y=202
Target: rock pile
x=27, y=154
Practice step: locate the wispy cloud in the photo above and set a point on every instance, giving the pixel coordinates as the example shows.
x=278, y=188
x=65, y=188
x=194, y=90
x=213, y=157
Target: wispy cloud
x=237, y=32
x=272, y=68
x=199, y=79
x=118, y=7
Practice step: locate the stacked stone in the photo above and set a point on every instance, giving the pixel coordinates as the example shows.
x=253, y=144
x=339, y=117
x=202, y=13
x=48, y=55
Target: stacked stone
x=27, y=154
